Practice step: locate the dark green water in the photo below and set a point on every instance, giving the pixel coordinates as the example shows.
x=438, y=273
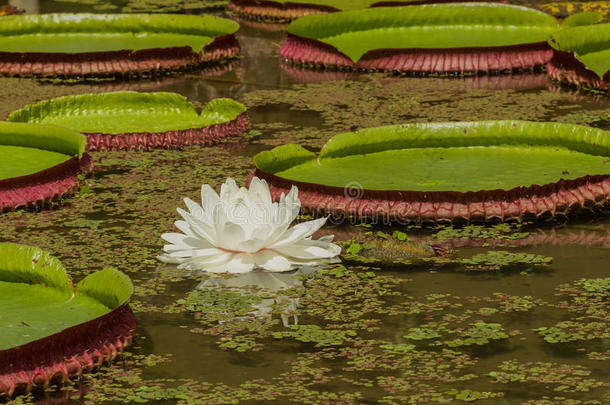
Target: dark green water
x=360, y=340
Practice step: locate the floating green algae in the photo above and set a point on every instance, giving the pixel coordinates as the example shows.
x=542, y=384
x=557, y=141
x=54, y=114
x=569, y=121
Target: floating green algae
x=588, y=299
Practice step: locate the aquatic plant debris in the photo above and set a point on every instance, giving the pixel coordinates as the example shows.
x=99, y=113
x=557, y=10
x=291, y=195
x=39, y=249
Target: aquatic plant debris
x=566, y=8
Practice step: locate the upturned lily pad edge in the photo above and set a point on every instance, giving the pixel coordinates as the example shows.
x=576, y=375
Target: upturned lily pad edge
x=565, y=69
x=103, y=141
x=566, y=66
x=47, y=187
x=536, y=202
x=76, y=349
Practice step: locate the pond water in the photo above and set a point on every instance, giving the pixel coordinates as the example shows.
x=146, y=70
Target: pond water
x=373, y=329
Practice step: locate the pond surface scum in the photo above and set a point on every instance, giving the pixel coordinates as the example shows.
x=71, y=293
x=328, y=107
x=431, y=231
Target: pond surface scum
x=499, y=314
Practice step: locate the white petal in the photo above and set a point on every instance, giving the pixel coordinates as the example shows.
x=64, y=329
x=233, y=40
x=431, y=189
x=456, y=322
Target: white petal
x=206, y=263
x=293, y=202
x=228, y=190
x=260, y=188
x=272, y=261
x=240, y=263
x=309, y=250
x=184, y=227
x=180, y=241
x=196, y=254
x=194, y=208
x=209, y=197
x=238, y=212
x=168, y=259
x=175, y=238
x=198, y=227
x=251, y=245
x=299, y=232
x=230, y=235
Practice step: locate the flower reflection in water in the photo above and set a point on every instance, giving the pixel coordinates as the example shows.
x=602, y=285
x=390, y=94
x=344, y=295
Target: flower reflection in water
x=276, y=290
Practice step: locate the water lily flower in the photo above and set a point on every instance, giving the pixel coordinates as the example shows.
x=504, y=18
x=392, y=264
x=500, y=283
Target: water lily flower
x=242, y=229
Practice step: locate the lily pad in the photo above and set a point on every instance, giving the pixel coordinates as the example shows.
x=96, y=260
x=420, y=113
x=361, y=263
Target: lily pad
x=582, y=55
x=288, y=10
x=39, y=164
x=108, y=44
x=52, y=330
x=463, y=37
x=474, y=171
x=132, y=120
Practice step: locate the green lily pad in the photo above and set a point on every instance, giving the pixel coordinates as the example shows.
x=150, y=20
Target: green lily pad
x=457, y=157
x=38, y=298
x=287, y=10
x=128, y=112
x=80, y=33
x=590, y=44
x=27, y=149
x=434, y=26
x=441, y=169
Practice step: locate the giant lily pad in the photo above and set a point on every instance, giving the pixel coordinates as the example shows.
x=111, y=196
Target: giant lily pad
x=288, y=10
x=52, y=330
x=84, y=45
x=39, y=164
x=131, y=120
x=582, y=55
x=464, y=37
x=474, y=171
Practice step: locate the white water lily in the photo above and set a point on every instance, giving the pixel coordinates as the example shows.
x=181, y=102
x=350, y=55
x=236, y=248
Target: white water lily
x=242, y=229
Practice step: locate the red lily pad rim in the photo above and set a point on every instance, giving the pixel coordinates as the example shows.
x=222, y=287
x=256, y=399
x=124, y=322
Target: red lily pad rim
x=118, y=64
x=42, y=188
